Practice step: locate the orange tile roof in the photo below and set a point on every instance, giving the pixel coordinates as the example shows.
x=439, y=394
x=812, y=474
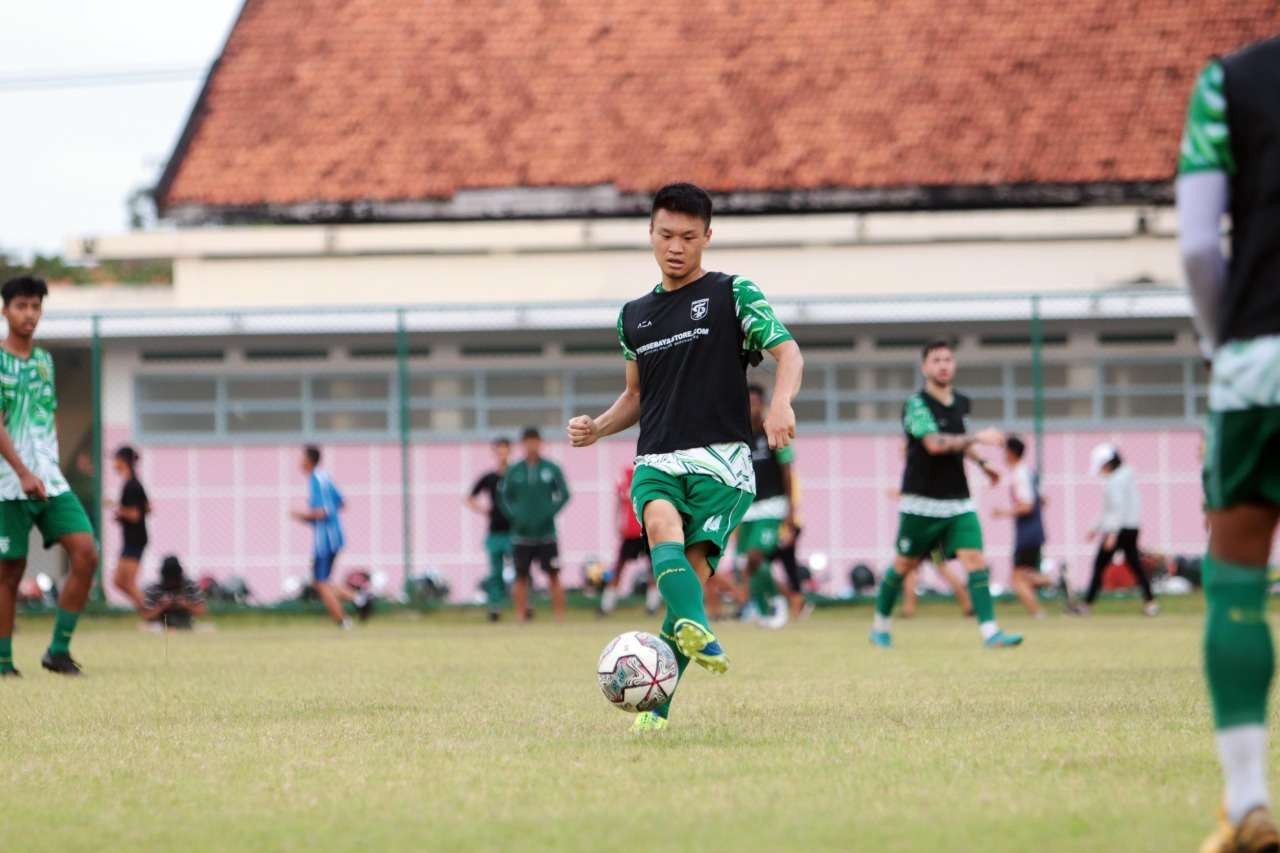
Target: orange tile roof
x=348, y=108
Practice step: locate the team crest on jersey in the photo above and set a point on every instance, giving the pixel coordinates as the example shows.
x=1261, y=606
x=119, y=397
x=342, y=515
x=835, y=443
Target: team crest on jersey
x=699, y=308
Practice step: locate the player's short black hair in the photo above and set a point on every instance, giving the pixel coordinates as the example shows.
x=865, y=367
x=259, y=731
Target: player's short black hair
x=171, y=573
x=312, y=453
x=683, y=198
x=935, y=343
x=126, y=454
x=501, y=441
x=756, y=389
x=530, y=432
x=1015, y=445
x=23, y=285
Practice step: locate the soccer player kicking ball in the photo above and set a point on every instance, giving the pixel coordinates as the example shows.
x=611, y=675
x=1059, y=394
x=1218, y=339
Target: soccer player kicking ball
x=33, y=491
x=935, y=509
x=687, y=344
x=1229, y=155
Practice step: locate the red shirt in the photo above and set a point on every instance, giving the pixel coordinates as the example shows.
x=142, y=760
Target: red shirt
x=628, y=525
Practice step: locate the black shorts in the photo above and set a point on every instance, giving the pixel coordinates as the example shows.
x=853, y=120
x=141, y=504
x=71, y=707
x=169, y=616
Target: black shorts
x=631, y=549
x=546, y=553
x=1027, y=558
x=132, y=552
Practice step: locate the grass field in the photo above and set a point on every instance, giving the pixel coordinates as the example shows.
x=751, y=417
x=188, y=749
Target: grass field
x=443, y=732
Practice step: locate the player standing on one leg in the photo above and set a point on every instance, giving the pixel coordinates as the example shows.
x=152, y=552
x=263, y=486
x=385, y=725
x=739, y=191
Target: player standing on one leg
x=497, y=543
x=1229, y=156
x=935, y=508
x=687, y=344
x=32, y=488
x=759, y=535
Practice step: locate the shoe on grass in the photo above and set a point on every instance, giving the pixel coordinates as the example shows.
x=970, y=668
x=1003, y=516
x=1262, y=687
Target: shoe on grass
x=700, y=645
x=1001, y=640
x=10, y=673
x=648, y=721
x=1151, y=608
x=881, y=639
x=1256, y=833
x=61, y=663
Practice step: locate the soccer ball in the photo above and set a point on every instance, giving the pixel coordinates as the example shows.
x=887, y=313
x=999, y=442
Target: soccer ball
x=637, y=672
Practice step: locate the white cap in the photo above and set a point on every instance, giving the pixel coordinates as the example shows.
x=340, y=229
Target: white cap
x=1100, y=456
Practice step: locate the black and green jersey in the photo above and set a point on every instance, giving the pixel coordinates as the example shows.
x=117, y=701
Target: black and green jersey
x=531, y=494
x=692, y=347
x=933, y=485
x=1233, y=126
x=28, y=404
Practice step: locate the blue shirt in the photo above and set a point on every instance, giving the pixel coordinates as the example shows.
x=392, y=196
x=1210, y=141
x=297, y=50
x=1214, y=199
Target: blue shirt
x=328, y=530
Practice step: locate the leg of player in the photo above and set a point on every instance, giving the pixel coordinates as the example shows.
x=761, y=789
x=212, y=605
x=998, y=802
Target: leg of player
x=1133, y=557
x=887, y=597
x=11, y=572
x=495, y=587
x=910, y=594
x=322, y=583
x=1238, y=654
x=984, y=608
x=125, y=580
x=959, y=587
x=523, y=555
x=82, y=553
x=758, y=584
x=1025, y=588
x=551, y=566
x=681, y=585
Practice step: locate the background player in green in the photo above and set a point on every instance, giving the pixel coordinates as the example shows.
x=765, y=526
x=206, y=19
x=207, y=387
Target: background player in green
x=1229, y=156
x=687, y=343
x=935, y=510
x=531, y=494
x=33, y=491
x=759, y=535
x=497, y=542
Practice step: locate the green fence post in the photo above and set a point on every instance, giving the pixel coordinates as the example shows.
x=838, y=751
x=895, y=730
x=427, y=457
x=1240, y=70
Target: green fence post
x=95, y=395
x=1037, y=379
x=402, y=383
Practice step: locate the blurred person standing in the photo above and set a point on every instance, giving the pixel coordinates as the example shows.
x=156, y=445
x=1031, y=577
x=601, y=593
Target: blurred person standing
x=175, y=600
x=1228, y=164
x=631, y=546
x=1028, y=526
x=497, y=542
x=324, y=504
x=532, y=493
x=1117, y=528
x=131, y=513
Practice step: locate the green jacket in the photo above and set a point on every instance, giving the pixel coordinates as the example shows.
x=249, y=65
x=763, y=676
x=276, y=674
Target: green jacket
x=531, y=495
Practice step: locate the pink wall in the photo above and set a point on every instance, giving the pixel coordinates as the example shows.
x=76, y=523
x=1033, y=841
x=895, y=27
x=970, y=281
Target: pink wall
x=225, y=510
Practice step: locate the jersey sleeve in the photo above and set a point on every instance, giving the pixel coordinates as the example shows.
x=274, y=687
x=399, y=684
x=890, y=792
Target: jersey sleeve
x=785, y=455
x=1206, y=140
x=480, y=485
x=627, y=352
x=761, y=328
x=917, y=420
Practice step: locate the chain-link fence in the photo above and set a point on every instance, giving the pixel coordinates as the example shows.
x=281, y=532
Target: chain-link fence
x=404, y=403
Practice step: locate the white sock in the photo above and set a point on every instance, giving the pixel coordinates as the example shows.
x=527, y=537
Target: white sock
x=1243, y=753
x=881, y=624
x=608, y=599
x=988, y=629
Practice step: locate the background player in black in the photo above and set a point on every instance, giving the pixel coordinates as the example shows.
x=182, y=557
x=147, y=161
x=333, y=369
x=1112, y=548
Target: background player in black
x=759, y=535
x=497, y=542
x=131, y=513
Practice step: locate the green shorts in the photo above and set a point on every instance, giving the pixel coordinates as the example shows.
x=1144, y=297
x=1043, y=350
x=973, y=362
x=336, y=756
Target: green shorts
x=710, y=509
x=56, y=517
x=759, y=535
x=1242, y=458
x=920, y=534
x=498, y=543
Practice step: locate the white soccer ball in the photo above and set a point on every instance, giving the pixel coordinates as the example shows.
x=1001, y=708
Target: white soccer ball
x=637, y=672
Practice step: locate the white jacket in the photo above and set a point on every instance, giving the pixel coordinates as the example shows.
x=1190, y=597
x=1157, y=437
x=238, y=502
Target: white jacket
x=1121, y=506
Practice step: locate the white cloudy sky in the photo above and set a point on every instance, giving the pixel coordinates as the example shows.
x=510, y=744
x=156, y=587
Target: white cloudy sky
x=69, y=157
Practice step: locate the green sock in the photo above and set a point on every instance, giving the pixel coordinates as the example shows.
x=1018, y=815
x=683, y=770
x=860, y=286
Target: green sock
x=6, y=654
x=980, y=590
x=669, y=637
x=64, y=625
x=763, y=589
x=887, y=596
x=679, y=584
x=1238, y=656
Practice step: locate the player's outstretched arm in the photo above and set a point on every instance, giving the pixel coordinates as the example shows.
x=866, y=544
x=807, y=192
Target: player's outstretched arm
x=940, y=444
x=585, y=430
x=32, y=486
x=780, y=421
